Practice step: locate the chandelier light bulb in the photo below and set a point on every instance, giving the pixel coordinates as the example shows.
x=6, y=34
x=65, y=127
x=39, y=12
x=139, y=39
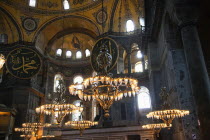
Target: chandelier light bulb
x=2, y=60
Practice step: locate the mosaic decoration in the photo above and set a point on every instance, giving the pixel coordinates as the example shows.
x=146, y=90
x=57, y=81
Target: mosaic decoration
x=75, y=2
x=23, y=63
x=29, y=24
x=86, y=5
x=50, y=4
x=101, y=15
x=112, y=48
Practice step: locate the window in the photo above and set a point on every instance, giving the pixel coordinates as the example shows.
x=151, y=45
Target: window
x=59, y=52
x=56, y=81
x=144, y=100
x=141, y=21
x=68, y=54
x=94, y=109
x=3, y=39
x=78, y=55
x=139, y=67
x=78, y=79
x=87, y=53
x=139, y=54
x=66, y=5
x=129, y=26
x=32, y=3
x=146, y=62
x=76, y=116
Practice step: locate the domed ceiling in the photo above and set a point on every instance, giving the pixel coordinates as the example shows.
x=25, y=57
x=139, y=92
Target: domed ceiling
x=73, y=42
x=53, y=6
x=45, y=24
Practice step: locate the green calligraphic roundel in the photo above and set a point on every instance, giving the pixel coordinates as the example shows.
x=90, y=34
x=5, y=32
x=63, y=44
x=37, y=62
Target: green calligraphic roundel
x=112, y=49
x=23, y=62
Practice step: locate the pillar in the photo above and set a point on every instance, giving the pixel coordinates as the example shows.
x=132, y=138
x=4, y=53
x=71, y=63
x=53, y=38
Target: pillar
x=198, y=75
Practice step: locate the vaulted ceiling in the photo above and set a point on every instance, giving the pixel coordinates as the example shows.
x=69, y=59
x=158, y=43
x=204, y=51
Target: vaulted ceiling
x=48, y=21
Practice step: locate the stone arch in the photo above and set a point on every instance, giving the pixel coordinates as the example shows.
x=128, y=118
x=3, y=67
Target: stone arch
x=63, y=25
x=14, y=27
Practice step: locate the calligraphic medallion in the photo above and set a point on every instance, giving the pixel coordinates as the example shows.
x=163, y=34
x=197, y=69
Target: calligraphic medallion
x=111, y=47
x=23, y=63
x=29, y=24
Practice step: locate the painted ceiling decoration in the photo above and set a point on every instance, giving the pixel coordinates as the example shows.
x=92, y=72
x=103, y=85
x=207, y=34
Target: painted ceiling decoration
x=47, y=23
x=101, y=15
x=53, y=6
x=29, y=23
x=75, y=42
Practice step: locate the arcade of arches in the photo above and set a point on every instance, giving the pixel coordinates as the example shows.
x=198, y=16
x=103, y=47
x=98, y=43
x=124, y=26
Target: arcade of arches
x=161, y=43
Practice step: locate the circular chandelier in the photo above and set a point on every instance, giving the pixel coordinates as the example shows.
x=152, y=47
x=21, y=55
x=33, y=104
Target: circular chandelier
x=24, y=136
x=31, y=129
x=81, y=125
x=48, y=136
x=156, y=127
x=104, y=88
x=59, y=111
x=59, y=108
x=25, y=130
x=35, y=125
x=167, y=114
x=2, y=60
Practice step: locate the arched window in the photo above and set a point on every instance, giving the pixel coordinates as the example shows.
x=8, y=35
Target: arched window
x=144, y=100
x=78, y=79
x=94, y=109
x=87, y=53
x=129, y=26
x=32, y=3
x=3, y=39
x=139, y=54
x=79, y=54
x=139, y=67
x=66, y=4
x=59, y=52
x=146, y=62
x=76, y=116
x=68, y=54
x=56, y=81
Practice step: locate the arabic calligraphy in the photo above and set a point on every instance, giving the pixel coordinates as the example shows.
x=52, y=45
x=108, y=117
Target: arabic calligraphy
x=112, y=50
x=23, y=63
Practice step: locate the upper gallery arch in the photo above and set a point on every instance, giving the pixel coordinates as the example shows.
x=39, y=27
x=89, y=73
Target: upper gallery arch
x=10, y=26
x=59, y=25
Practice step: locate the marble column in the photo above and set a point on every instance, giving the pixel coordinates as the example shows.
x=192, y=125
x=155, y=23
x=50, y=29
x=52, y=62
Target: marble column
x=198, y=75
